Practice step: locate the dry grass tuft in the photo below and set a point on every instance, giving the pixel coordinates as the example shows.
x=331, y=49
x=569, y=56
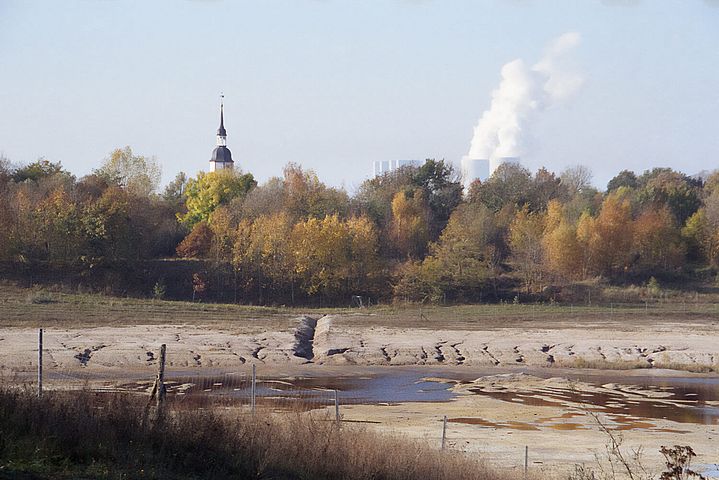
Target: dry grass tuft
x=603, y=364
x=87, y=435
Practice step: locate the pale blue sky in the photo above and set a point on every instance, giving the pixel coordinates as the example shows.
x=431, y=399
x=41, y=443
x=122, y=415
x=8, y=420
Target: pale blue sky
x=336, y=84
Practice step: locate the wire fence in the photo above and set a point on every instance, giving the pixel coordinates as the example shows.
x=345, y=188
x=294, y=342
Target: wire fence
x=246, y=386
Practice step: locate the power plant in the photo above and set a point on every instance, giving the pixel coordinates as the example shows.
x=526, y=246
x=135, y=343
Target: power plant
x=386, y=166
x=524, y=91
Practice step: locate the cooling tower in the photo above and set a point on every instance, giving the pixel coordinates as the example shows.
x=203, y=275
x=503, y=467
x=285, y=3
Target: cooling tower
x=496, y=162
x=473, y=169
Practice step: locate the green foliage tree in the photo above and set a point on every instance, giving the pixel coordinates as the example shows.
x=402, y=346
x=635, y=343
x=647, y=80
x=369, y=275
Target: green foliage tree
x=442, y=190
x=625, y=178
x=38, y=170
x=510, y=184
x=175, y=190
x=210, y=190
x=663, y=186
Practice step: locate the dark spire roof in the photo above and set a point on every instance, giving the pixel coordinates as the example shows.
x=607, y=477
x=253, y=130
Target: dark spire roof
x=221, y=131
x=221, y=154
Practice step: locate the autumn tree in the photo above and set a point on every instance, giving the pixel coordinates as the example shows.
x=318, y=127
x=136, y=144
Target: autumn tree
x=328, y=254
x=545, y=187
x=263, y=253
x=701, y=231
x=321, y=254
x=460, y=264
x=197, y=243
x=657, y=243
x=266, y=199
x=525, y=241
x=410, y=229
x=305, y=196
x=365, y=266
x=138, y=174
x=608, y=238
x=563, y=252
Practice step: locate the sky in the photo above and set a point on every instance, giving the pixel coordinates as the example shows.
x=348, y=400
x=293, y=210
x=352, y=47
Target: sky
x=336, y=84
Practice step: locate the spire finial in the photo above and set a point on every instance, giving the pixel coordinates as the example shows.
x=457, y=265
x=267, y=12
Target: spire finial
x=221, y=131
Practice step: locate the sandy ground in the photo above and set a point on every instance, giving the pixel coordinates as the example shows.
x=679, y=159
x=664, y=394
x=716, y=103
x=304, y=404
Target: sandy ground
x=339, y=341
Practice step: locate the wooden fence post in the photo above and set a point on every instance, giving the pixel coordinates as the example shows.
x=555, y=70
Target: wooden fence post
x=161, y=391
x=444, y=431
x=39, y=363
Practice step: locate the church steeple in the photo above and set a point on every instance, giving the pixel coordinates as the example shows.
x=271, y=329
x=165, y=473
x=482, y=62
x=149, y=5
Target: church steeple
x=221, y=132
x=221, y=155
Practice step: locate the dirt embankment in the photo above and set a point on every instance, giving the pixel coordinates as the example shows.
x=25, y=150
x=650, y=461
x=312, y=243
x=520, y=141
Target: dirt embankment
x=334, y=340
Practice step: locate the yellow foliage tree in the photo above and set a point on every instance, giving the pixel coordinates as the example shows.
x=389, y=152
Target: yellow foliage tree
x=563, y=253
x=410, y=229
x=525, y=242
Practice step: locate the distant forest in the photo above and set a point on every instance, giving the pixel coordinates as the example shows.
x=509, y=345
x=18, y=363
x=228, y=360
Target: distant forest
x=411, y=234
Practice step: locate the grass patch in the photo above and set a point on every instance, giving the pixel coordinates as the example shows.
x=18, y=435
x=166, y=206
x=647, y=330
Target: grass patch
x=23, y=307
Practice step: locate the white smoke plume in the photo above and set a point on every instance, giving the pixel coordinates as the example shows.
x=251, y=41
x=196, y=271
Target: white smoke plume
x=523, y=91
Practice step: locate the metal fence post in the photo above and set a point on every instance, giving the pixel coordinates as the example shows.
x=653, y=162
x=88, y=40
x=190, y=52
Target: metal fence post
x=39, y=363
x=254, y=387
x=526, y=460
x=337, y=408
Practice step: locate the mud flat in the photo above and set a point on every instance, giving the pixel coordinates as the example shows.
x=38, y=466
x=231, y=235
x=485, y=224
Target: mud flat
x=496, y=416
x=357, y=340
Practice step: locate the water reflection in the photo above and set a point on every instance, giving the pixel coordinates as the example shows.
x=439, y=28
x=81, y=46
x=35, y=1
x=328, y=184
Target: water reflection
x=631, y=403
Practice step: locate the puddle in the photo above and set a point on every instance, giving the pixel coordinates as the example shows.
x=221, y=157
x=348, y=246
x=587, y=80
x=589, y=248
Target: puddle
x=623, y=406
x=631, y=402
x=486, y=423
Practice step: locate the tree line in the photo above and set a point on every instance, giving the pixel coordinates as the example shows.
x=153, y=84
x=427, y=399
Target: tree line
x=411, y=233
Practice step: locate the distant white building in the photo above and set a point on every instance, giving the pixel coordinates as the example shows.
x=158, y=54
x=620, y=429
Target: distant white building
x=386, y=166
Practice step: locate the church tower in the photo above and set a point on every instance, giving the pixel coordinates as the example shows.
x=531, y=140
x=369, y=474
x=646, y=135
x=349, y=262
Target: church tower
x=221, y=155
